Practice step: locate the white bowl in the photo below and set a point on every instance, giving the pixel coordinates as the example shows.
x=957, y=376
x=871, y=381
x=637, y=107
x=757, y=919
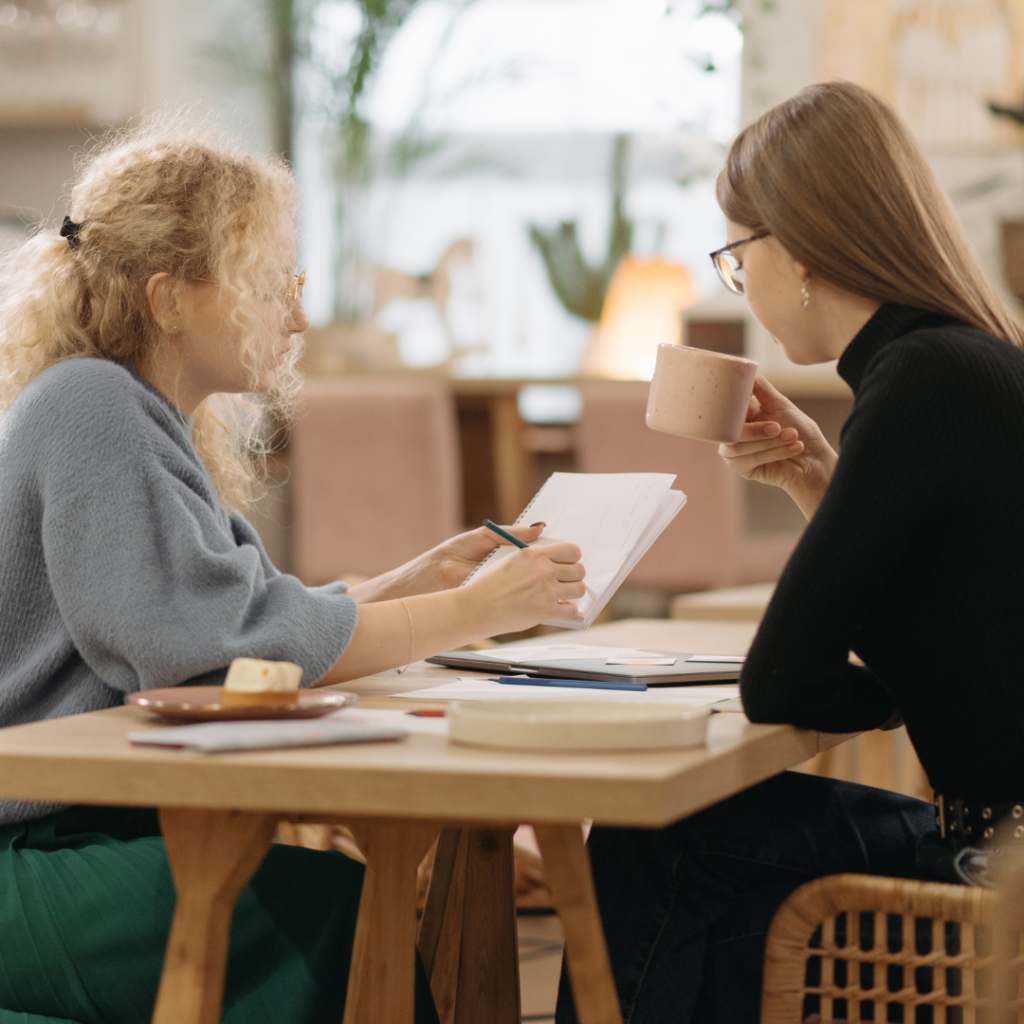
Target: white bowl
x=575, y=725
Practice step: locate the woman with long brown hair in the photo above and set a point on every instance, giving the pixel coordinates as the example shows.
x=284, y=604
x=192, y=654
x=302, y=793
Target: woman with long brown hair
x=847, y=249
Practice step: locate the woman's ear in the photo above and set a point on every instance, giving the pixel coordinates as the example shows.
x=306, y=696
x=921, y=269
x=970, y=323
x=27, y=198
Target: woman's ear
x=163, y=299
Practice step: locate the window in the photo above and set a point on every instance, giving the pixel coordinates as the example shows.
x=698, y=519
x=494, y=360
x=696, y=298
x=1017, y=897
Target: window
x=487, y=117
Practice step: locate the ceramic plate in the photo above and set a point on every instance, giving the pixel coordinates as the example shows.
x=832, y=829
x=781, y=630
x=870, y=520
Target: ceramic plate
x=202, y=704
x=576, y=725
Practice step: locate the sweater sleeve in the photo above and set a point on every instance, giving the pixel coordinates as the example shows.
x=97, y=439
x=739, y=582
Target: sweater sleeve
x=154, y=583
x=887, y=491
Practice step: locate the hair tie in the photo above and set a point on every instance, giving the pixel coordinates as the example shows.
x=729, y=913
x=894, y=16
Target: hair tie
x=69, y=230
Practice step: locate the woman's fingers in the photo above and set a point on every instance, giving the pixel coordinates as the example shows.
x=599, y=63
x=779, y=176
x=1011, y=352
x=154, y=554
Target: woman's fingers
x=564, y=610
x=563, y=551
x=565, y=570
x=756, y=430
x=525, y=533
x=766, y=394
x=747, y=464
x=785, y=439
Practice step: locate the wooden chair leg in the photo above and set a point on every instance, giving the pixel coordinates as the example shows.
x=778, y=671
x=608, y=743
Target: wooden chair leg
x=213, y=854
x=567, y=869
x=488, y=988
x=440, y=934
x=382, y=974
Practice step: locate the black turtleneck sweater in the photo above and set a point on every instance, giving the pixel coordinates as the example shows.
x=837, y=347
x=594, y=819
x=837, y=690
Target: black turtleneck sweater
x=914, y=560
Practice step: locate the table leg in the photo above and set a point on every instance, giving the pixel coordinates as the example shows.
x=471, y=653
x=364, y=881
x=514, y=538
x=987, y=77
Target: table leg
x=213, y=854
x=382, y=974
x=440, y=935
x=568, y=874
x=488, y=988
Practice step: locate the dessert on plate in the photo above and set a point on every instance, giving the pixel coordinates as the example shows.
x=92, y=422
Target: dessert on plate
x=255, y=682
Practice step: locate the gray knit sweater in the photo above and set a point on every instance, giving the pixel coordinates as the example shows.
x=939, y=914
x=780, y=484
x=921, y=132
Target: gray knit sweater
x=118, y=569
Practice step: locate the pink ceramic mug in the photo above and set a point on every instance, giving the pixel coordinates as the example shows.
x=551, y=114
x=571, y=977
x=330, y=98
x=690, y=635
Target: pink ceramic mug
x=700, y=394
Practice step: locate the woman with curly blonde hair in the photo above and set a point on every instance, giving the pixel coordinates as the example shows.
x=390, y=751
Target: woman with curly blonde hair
x=128, y=339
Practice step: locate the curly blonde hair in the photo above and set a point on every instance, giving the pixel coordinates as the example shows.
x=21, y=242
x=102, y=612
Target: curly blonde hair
x=171, y=196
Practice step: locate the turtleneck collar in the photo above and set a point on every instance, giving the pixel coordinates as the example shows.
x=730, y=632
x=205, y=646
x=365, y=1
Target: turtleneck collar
x=889, y=323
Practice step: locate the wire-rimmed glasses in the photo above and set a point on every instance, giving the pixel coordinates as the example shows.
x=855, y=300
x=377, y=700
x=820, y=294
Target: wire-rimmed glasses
x=729, y=268
x=294, y=292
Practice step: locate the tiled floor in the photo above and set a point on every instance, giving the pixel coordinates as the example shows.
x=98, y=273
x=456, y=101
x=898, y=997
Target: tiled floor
x=540, y=961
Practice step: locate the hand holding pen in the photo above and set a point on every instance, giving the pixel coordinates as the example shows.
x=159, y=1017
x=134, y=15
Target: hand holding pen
x=452, y=561
x=549, y=574
x=505, y=535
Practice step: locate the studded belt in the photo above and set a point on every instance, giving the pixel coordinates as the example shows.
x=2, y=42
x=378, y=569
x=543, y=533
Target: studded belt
x=977, y=821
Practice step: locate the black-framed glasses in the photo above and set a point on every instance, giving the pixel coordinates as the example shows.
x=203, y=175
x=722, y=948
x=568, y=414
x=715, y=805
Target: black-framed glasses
x=730, y=270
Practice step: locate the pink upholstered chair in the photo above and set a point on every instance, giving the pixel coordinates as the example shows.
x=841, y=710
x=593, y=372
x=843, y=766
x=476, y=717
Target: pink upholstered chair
x=375, y=475
x=706, y=546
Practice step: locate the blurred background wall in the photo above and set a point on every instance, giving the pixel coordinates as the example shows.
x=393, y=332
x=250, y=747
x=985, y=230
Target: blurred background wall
x=68, y=70
x=508, y=204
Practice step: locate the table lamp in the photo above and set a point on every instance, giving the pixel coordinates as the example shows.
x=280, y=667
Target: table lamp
x=641, y=311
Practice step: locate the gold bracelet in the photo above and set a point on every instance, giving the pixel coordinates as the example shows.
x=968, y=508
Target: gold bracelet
x=412, y=639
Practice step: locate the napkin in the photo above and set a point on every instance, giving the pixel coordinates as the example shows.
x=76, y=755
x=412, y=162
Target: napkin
x=211, y=737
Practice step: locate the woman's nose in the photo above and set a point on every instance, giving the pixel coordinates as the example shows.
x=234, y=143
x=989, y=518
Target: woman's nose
x=298, y=322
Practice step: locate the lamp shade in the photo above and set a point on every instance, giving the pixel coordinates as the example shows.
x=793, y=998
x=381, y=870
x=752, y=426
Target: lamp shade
x=641, y=311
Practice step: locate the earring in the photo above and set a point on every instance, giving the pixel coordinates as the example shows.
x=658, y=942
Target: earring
x=805, y=296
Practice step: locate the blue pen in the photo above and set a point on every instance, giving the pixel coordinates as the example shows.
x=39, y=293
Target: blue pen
x=585, y=684
x=504, y=533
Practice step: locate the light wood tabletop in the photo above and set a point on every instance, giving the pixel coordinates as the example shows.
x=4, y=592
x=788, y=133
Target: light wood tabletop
x=219, y=813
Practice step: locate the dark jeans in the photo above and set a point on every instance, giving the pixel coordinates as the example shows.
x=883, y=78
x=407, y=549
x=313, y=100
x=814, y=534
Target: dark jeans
x=686, y=909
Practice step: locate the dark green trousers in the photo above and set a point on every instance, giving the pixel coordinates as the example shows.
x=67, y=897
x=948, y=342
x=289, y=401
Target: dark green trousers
x=86, y=900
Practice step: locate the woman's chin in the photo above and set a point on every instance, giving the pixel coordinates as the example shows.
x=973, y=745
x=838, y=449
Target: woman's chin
x=265, y=381
x=797, y=355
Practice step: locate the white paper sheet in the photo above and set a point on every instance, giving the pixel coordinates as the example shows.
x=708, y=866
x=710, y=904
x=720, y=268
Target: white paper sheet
x=517, y=654
x=613, y=517
x=475, y=688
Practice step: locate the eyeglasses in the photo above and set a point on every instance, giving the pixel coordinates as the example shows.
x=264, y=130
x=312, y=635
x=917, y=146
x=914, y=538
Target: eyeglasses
x=294, y=292
x=291, y=295
x=730, y=270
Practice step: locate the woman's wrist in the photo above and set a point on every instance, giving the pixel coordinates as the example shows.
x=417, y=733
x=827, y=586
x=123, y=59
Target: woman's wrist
x=474, y=610
x=808, y=491
x=417, y=576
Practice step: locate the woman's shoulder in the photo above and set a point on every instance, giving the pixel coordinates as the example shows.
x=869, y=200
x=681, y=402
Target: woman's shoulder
x=88, y=393
x=942, y=353
x=81, y=378
x=952, y=344
x=944, y=375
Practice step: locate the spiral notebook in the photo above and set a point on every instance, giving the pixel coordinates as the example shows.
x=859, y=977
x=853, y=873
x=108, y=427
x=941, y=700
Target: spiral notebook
x=613, y=517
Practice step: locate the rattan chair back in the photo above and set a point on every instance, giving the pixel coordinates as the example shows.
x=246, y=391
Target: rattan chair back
x=863, y=948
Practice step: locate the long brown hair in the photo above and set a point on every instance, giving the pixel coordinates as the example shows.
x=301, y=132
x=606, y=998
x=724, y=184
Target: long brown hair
x=837, y=178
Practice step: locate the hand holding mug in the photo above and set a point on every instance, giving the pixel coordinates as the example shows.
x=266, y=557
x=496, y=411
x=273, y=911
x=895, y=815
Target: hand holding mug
x=782, y=446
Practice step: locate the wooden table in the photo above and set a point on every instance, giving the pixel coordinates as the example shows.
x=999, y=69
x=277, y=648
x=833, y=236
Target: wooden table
x=219, y=813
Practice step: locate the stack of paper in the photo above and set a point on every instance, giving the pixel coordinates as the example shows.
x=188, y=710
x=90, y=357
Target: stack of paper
x=476, y=688
x=613, y=517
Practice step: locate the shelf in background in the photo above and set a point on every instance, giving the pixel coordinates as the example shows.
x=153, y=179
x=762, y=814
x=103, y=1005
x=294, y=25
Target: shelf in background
x=29, y=116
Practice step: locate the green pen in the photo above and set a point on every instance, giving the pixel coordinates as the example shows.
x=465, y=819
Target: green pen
x=505, y=534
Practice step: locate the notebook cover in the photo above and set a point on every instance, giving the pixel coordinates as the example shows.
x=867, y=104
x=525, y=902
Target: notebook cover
x=679, y=674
